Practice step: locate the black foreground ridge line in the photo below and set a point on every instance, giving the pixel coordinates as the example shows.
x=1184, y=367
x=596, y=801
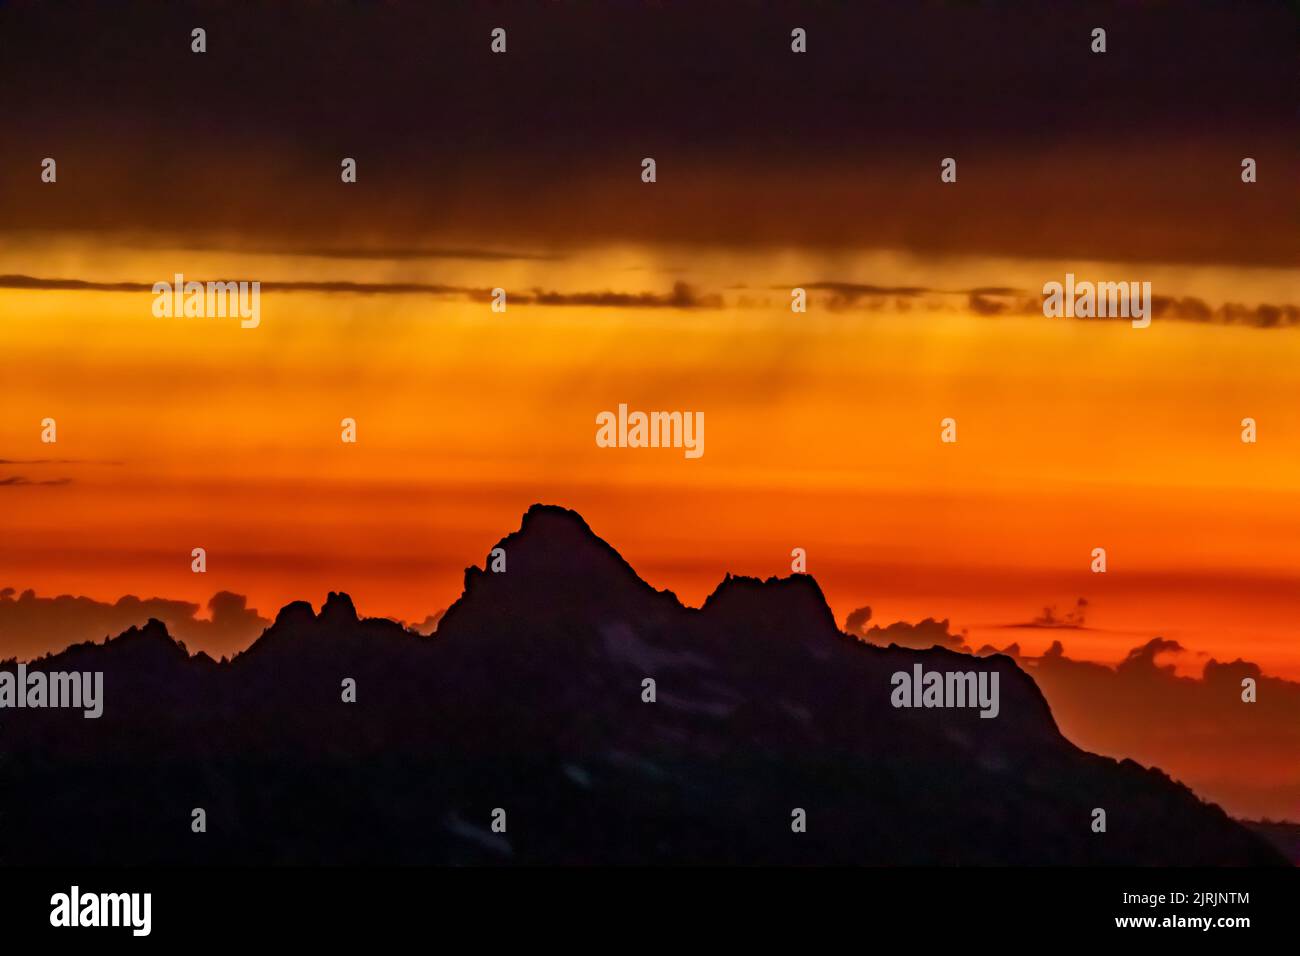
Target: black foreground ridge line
x=528, y=698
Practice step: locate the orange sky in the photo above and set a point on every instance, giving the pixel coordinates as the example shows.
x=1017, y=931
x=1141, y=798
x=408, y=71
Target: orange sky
x=822, y=432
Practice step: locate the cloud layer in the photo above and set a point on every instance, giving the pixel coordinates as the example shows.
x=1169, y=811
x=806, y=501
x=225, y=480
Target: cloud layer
x=1199, y=730
x=31, y=626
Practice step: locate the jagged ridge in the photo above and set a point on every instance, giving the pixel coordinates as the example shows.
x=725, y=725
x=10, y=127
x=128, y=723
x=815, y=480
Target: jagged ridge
x=530, y=698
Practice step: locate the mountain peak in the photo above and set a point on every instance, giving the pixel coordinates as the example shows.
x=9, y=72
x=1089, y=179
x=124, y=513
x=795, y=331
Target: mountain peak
x=294, y=614
x=551, y=566
x=552, y=527
x=795, y=601
x=542, y=511
x=338, y=608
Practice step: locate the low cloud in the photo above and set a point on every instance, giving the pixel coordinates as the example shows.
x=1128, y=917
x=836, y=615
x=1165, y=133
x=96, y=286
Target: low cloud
x=992, y=302
x=31, y=626
x=681, y=296
x=844, y=295
x=922, y=635
x=984, y=301
x=1051, y=620
x=20, y=481
x=428, y=626
x=1197, y=729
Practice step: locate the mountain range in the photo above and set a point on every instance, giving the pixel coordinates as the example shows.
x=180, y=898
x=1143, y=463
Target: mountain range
x=525, y=730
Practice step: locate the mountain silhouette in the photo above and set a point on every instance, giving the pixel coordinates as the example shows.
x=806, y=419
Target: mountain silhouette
x=529, y=699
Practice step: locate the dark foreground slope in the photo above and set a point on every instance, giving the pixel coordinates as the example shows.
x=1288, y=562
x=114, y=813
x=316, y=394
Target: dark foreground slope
x=529, y=699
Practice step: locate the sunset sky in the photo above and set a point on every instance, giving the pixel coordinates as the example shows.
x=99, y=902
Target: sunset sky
x=822, y=432
x=774, y=171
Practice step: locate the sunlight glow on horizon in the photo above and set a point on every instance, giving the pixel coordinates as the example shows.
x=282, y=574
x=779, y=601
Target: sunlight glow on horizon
x=822, y=433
